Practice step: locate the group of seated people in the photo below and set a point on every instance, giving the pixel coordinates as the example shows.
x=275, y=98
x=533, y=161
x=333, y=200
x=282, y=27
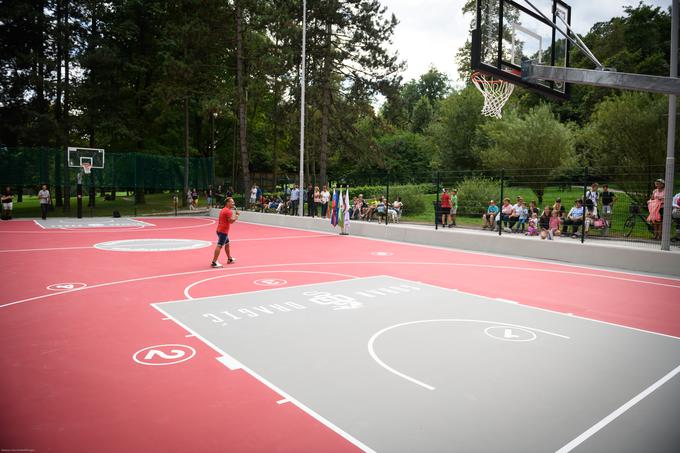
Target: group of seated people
x=368, y=210
x=553, y=221
x=360, y=209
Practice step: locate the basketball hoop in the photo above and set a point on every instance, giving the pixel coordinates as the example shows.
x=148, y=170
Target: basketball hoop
x=496, y=93
x=87, y=168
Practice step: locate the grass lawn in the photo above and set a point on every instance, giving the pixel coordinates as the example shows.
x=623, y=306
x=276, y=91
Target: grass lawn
x=568, y=196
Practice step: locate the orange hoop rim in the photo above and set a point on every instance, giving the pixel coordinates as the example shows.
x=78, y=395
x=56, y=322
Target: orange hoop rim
x=482, y=77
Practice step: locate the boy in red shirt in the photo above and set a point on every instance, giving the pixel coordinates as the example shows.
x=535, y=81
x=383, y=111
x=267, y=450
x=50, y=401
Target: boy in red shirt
x=446, y=207
x=228, y=215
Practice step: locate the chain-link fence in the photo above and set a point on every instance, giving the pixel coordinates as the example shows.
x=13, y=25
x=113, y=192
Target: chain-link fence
x=129, y=183
x=614, y=202
x=604, y=204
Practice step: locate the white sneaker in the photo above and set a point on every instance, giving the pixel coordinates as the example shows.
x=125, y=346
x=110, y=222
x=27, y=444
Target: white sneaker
x=215, y=265
x=231, y=260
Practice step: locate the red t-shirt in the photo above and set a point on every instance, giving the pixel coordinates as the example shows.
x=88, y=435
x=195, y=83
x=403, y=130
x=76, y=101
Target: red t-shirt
x=446, y=200
x=223, y=223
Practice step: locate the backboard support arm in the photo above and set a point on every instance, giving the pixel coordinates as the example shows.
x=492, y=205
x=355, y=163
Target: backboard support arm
x=532, y=72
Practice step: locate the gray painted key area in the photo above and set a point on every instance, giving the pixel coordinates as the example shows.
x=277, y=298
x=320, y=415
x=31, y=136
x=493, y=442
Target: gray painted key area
x=152, y=245
x=403, y=366
x=91, y=223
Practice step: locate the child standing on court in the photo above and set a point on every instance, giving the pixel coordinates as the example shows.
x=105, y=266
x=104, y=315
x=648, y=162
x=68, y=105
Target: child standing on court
x=227, y=216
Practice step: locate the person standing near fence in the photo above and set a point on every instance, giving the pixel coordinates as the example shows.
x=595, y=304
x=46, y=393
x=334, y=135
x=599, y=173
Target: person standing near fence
x=445, y=207
x=655, y=206
x=593, y=194
x=7, y=198
x=294, y=200
x=325, y=197
x=454, y=207
x=44, y=196
x=209, y=196
x=608, y=199
x=317, y=200
x=675, y=214
x=310, y=201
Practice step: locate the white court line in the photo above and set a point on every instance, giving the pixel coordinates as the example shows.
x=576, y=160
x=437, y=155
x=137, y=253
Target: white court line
x=228, y=358
x=374, y=337
x=571, y=315
x=507, y=301
x=283, y=401
x=38, y=223
x=611, y=417
x=332, y=263
x=478, y=253
x=188, y=288
x=94, y=246
x=117, y=230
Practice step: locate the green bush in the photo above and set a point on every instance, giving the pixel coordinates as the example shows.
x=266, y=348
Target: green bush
x=474, y=194
x=412, y=197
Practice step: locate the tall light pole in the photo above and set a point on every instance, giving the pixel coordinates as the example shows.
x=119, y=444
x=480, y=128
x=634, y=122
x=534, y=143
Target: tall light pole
x=301, y=207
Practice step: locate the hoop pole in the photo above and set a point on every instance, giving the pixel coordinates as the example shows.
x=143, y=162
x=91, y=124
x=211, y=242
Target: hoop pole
x=670, y=145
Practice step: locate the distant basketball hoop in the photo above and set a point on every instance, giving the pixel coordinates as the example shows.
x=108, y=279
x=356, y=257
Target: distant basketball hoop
x=87, y=168
x=496, y=93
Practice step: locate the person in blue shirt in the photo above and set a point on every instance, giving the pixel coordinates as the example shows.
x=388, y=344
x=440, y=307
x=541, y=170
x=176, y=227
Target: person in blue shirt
x=294, y=199
x=574, y=218
x=489, y=216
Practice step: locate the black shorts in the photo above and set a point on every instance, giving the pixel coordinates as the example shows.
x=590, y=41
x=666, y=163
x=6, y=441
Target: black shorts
x=222, y=239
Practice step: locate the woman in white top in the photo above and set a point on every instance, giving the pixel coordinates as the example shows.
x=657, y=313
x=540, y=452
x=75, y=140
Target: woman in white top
x=325, y=197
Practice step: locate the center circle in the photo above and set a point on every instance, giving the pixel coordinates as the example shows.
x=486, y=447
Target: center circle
x=152, y=245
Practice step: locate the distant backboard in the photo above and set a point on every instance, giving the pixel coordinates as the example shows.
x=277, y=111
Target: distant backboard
x=78, y=156
x=509, y=32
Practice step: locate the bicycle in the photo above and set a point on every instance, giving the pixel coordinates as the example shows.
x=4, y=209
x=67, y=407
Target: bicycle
x=629, y=224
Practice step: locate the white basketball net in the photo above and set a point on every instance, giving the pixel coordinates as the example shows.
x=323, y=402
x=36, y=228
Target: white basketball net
x=496, y=93
x=87, y=168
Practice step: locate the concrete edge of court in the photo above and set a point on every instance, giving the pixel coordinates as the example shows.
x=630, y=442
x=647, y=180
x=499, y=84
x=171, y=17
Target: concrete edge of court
x=592, y=253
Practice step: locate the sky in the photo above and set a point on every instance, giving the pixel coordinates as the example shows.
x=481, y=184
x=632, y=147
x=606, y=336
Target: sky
x=430, y=32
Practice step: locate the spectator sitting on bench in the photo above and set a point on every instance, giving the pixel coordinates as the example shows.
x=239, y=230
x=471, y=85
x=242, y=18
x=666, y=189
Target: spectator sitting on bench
x=506, y=212
x=372, y=206
x=381, y=209
x=274, y=203
x=574, y=218
x=489, y=216
x=358, y=207
x=523, y=217
x=514, y=216
x=398, y=206
x=592, y=217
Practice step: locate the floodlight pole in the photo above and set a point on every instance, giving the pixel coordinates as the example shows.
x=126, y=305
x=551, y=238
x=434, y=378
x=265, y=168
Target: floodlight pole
x=670, y=144
x=301, y=208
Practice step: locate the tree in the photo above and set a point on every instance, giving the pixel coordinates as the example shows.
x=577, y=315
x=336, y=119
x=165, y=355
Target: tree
x=627, y=137
x=454, y=130
x=348, y=48
x=422, y=115
x=535, y=146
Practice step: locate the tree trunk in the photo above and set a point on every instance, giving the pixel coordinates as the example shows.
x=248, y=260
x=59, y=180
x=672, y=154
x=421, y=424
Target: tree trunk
x=275, y=163
x=325, y=106
x=241, y=99
x=186, y=151
x=67, y=63
x=92, y=44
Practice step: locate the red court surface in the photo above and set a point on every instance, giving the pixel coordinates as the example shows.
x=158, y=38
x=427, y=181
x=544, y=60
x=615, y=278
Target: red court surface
x=69, y=381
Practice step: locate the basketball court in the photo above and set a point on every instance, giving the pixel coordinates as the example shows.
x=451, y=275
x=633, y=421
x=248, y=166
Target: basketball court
x=117, y=335
x=319, y=342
